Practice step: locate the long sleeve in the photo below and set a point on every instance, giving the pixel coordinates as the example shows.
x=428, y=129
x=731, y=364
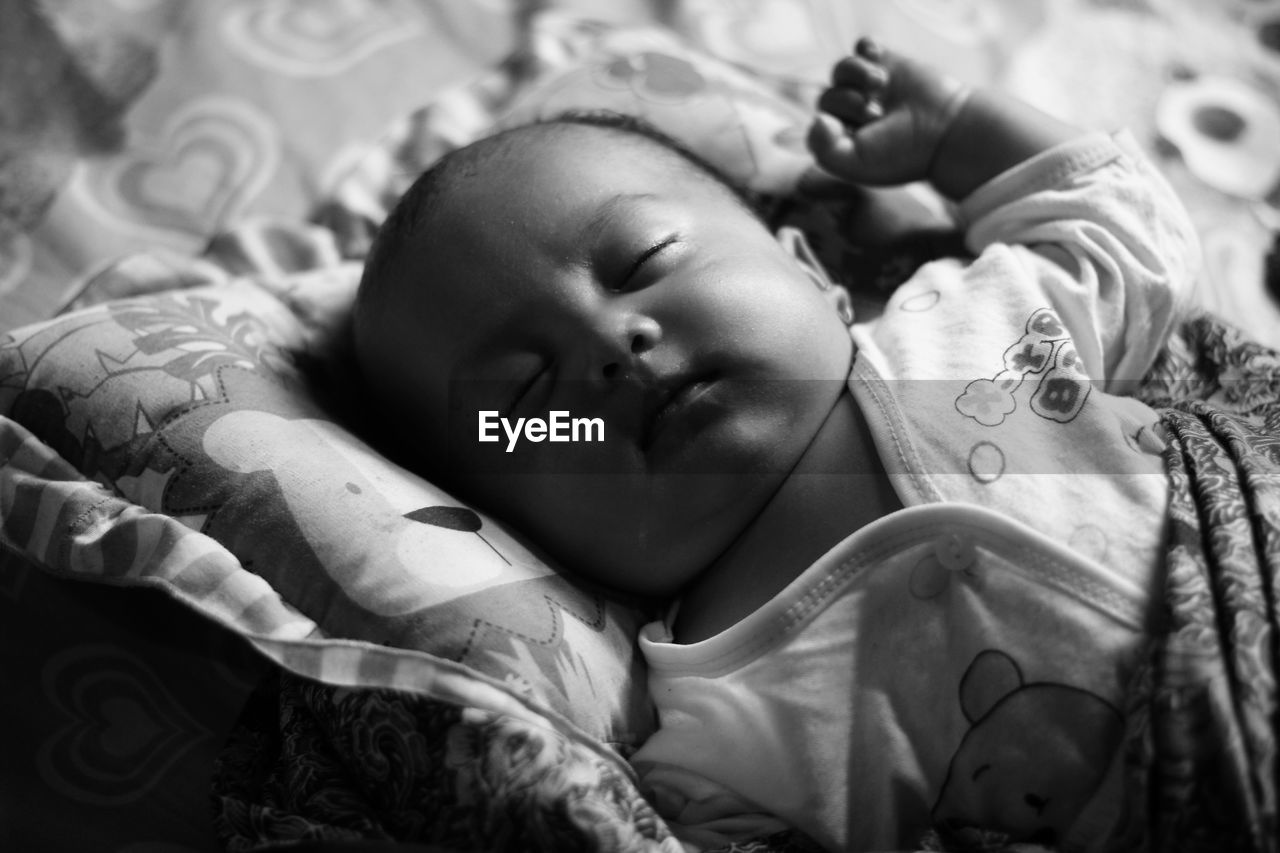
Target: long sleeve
x=1106, y=237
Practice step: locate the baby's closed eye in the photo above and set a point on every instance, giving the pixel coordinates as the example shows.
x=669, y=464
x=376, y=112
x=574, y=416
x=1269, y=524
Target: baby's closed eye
x=532, y=390
x=641, y=271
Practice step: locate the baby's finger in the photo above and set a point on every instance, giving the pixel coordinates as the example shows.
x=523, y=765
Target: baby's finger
x=828, y=136
x=833, y=148
x=869, y=48
x=850, y=106
x=858, y=73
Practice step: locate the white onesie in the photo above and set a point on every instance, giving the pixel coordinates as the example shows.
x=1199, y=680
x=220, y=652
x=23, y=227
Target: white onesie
x=962, y=662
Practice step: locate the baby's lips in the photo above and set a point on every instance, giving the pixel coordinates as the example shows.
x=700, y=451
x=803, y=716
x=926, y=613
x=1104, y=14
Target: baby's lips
x=653, y=399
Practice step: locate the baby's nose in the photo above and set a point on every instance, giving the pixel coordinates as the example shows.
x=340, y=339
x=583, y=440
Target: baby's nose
x=623, y=355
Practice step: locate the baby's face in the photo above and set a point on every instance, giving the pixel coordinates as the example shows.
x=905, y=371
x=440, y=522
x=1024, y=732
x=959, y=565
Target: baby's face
x=595, y=273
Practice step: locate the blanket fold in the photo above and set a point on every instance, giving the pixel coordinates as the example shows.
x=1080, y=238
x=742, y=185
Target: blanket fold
x=1204, y=715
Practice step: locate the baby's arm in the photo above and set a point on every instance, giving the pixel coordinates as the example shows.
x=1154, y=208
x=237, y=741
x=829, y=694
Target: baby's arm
x=889, y=120
x=1091, y=227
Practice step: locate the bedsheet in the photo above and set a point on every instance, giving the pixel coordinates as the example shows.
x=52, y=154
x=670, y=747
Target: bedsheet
x=129, y=126
x=135, y=124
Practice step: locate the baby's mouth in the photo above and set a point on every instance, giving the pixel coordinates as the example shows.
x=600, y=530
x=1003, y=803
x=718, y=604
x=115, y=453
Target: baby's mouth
x=664, y=405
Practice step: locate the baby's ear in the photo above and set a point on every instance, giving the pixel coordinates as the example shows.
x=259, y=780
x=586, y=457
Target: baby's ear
x=794, y=242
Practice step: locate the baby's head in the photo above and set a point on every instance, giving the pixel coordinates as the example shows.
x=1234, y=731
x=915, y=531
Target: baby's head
x=595, y=268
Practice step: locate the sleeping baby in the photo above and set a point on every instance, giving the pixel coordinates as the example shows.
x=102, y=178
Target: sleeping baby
x=909, y=561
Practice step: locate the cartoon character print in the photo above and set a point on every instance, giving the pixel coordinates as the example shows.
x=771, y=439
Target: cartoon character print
x=1033, y=757
x=1044, y=351
x=370, y=551
x=159, y=353
x=220, y=440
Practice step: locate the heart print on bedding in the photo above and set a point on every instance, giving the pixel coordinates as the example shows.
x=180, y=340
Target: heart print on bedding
x=316, y=38
x=214, y=156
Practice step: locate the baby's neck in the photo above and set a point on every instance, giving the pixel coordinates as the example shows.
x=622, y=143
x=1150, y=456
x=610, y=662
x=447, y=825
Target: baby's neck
x=838, y=486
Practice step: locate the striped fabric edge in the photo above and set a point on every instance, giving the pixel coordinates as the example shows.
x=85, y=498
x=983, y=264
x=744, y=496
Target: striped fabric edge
x=71, y=527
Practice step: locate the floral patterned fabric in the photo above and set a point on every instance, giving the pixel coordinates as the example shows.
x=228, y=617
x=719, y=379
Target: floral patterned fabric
x=311, y=761
x=1204, y=714
x=314, y=762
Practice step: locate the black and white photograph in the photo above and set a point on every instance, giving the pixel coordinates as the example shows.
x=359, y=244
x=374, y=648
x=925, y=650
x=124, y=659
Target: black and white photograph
x=640, y=426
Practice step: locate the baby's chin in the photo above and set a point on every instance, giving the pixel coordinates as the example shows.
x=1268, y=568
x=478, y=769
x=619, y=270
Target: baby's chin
x=741, y=448
x=658, y=579
x=654, y=558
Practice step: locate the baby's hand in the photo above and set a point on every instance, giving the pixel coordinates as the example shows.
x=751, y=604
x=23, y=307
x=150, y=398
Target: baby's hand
x=883, y=118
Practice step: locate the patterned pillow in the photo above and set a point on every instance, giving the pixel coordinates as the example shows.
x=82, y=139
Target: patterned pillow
x=183, y=402
x=752, y=127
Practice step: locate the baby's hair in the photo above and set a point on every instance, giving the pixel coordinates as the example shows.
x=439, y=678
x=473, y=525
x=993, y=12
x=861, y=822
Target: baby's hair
x=640, y=127
x=404, y=226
